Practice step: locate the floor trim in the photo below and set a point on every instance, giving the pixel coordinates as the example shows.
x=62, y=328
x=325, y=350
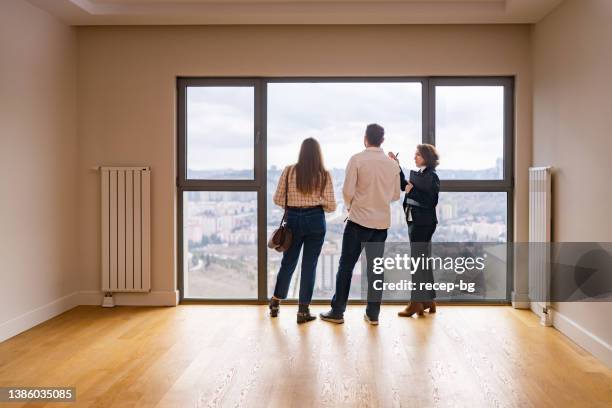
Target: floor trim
x=43, y=313
x=520, y=300
x=153, y=298
x=37, y=316
x=582, y=337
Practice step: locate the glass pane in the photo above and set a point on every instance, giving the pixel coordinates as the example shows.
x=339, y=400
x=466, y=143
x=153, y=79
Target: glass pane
x=220, y=126
x=220, y=244
x=472, y=217
x=470, y=132
x=336, y=114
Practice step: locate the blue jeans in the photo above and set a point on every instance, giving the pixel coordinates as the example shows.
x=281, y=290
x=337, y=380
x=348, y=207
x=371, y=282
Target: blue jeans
x=308, y=228
x=354, y=236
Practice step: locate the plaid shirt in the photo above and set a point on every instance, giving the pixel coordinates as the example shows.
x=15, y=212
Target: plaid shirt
x=297, y=199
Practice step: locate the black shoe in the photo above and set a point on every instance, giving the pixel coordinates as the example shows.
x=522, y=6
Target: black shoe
x=303, y=315
x=274, y=307
x=332, y=317
x=373, y=322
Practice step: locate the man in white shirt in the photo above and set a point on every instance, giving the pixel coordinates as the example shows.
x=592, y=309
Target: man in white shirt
x=371, y=183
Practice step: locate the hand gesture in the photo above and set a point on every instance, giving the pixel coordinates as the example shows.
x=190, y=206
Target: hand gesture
x=392, y=156
x=409, y=187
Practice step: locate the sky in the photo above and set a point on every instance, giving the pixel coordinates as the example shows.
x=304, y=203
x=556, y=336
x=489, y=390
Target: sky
x=469, y=123
x=469, y=126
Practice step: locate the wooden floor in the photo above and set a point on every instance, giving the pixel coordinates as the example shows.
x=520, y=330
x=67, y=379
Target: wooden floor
x=233, y=356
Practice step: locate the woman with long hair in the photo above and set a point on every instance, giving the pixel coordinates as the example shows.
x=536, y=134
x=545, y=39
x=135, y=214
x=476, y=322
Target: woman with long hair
x=307, y=188
x=420, y=204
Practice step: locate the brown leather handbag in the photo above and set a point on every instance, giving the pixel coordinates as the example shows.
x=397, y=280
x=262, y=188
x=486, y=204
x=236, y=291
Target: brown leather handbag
x=282, y=237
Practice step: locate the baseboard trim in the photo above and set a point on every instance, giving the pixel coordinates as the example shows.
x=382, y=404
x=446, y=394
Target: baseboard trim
x=37, y=316
x=582, y=337
x=537, y=308
x=43, y=313
x=153, y=298
x=520, y=300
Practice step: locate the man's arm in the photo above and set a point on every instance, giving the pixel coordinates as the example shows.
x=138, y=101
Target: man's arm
x=403, y=181
x=350, y=182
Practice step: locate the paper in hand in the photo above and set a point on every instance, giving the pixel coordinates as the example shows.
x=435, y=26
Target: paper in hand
x=421, y=181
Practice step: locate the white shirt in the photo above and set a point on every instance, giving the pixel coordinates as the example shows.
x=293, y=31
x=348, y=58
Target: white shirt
x=371, y=183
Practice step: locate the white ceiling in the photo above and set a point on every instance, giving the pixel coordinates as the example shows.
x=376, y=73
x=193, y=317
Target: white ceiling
x=139, y=12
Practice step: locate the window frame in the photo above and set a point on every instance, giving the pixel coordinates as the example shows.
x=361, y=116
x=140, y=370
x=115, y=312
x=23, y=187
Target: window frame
x=182, y=145
x=508, y=84
x=259, y=182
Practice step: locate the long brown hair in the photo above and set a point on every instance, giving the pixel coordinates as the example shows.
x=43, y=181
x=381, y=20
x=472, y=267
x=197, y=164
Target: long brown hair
x=310, y=174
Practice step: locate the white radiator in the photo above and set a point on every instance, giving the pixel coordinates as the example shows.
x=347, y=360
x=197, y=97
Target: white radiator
x=126, y=229
x=539, y=241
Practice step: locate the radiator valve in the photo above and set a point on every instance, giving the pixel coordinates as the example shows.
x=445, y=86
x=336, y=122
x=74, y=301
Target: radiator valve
x=108, y=301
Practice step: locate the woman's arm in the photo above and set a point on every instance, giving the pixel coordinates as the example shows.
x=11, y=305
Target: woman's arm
x=279, y=195
x=329, y=198
x=403, y=181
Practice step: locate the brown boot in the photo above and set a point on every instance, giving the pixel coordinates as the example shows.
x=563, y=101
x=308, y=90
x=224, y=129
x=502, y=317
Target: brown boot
x=430, y=305
x=412, y=308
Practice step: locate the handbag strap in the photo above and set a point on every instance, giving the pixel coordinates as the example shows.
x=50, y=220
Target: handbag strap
x=286, y=196
x=287, y=188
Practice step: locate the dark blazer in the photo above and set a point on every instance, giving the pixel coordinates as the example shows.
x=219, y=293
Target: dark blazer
x=425, y=213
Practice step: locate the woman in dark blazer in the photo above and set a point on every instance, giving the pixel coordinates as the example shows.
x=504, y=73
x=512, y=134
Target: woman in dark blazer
x=420, y=204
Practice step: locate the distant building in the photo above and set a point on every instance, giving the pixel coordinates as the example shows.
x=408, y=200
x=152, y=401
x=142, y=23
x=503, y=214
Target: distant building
x=447, y=211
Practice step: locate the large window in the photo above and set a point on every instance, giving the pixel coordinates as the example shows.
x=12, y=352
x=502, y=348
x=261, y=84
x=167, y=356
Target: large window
x=235, y=136
x=335, y=114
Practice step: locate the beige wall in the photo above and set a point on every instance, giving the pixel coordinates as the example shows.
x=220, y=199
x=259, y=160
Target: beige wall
x=572, y=54
x=126, y=93
x=38, y=158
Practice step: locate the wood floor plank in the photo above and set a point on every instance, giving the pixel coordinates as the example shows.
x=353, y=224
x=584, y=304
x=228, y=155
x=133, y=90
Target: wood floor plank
x=235, y=356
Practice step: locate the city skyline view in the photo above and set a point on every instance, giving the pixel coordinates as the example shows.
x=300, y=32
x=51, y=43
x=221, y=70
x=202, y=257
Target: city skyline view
x=220, y=230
